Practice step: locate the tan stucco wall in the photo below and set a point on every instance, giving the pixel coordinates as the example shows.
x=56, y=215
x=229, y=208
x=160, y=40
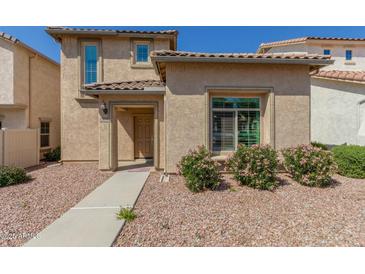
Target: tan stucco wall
x=45, y=97
x=13, y=118
x=186, y=97
x=6, y=72
x=80, y=118
x=32, y=85
x=117, y=60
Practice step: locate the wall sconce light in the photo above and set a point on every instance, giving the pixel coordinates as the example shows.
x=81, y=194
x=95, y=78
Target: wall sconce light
x=104, y=108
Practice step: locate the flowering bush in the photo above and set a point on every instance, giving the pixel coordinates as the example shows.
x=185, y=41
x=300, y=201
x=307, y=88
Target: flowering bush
x=254, y=166
x=309, y=165
x=199, y=170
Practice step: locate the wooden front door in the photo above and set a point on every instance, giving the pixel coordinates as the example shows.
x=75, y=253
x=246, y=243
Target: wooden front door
x=143, y=136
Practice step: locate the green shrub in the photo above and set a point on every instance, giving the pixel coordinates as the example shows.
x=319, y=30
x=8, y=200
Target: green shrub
x=126, y=214
x=254, y=166
x=309, y=165
x=12, y=175
x=350, y=160
x=53, y=155
x=320, y=145
x=199, y=170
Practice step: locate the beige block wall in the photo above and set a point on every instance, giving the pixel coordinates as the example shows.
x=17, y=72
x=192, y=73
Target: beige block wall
x=186, y=97
x=80, y=118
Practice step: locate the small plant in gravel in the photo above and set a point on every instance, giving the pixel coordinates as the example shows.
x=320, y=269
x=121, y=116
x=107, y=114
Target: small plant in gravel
x=254, y=166
x=309, y=165
x=127, y=214
x=53, y=155
x=12, y=176
x=350, y=160
x=200, y=170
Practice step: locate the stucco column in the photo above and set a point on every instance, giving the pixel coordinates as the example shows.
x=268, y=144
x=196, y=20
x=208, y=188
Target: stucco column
x=104, y=144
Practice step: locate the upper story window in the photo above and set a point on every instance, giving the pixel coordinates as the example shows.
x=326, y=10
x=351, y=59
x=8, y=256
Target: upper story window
x=142, y=53
x=327, y=52
x=90, y=59
x=348, y=54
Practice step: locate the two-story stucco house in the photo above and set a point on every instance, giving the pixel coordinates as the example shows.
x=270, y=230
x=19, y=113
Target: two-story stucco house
x=29, y=91
x=337, y=91
x=131, y=94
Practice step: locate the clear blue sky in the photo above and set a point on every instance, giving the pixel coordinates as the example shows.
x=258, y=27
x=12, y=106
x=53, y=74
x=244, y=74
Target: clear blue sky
x=205, y=39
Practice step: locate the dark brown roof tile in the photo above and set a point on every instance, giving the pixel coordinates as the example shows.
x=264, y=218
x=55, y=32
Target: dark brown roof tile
x=124, y=85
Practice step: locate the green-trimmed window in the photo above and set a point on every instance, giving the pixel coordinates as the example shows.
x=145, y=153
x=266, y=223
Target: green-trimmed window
x=235, y=121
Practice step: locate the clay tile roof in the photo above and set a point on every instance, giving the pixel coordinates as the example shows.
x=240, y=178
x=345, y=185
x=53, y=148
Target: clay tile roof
x=125, y=85
x=171, y=53
x=66, y=29
x=8, y=37
x=303, y=39
x=352, y=76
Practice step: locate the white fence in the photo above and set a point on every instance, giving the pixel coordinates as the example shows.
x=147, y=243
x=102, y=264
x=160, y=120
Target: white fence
x=19, y=147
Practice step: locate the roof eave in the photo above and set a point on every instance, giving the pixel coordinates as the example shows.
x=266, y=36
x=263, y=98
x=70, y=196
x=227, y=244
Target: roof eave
x=58, y=33
x=311, y=62
x=145, y=91
x=338, y=80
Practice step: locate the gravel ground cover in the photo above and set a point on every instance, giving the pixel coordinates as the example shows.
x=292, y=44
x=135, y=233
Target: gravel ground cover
x=292, y=215
x=26, y=209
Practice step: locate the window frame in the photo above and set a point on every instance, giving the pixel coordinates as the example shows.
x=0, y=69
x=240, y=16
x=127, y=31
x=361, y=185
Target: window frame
x=346, y=51
x=235, y=111
x=83, y=45
x=136, y=43
x=45, y=134
x=326, y=49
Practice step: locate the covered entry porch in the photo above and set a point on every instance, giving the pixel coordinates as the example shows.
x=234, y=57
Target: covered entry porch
x=131, y=123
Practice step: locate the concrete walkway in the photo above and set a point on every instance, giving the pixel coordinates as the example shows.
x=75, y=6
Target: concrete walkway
x=93, y=221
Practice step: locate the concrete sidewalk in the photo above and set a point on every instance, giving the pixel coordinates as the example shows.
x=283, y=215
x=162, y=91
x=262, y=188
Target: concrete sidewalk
x=93, y=221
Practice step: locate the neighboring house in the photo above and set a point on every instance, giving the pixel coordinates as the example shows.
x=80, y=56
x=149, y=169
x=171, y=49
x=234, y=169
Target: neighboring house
x=130, y=94
x=337, y=91
x=29, y=91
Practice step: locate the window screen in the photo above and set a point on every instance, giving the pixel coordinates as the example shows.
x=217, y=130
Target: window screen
x=91, y=64
x=235, y=121
x=142, y=53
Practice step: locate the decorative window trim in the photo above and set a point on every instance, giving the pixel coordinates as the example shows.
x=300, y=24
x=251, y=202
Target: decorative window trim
x=134, y=63
x=235, y=110
x=84, y=43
